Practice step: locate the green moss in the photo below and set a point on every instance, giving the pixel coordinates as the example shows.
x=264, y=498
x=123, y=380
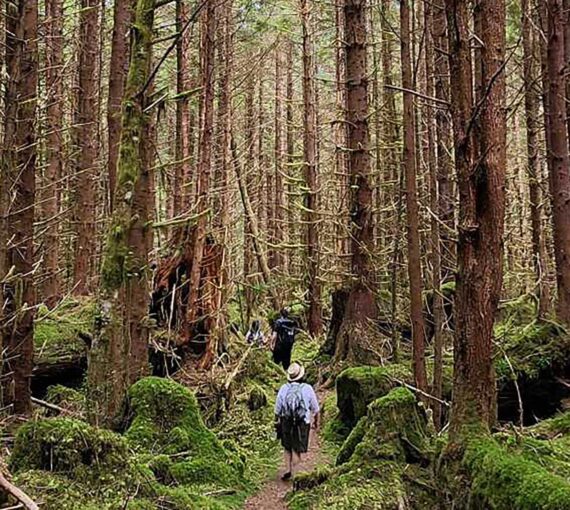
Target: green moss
x=64, y=445
x=68, y=398
x=57, y=332
x=359, y=386
x=531, y=347
x=555, y=426
x=506, y=480
x=353, y=440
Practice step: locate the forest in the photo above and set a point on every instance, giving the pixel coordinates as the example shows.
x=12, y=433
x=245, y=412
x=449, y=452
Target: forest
x=207, y=203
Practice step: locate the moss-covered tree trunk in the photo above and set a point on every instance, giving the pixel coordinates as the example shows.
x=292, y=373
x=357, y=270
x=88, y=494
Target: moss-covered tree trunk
x=119, y=354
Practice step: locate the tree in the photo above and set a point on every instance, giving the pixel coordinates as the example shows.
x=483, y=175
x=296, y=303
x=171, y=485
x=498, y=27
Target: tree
x=360, y=309
x=119, y=354
x=481, y=181
x=532, y=100
x=183, y=124
x=85, y=138
x=122, y=16
x=54, y=147
x=18, y=175
x=557, y=142
x=204, y=155
x=412, y=208
x=314, y=320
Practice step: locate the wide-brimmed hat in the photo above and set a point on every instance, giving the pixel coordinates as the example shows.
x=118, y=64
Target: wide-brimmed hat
x=295, y=372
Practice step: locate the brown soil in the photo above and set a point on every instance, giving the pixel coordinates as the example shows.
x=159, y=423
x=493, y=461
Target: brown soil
x=272, y=494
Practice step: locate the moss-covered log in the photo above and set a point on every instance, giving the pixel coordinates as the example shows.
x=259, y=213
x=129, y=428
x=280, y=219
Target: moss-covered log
x=503, y=480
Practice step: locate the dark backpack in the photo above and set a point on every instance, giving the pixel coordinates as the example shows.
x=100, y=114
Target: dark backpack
x=286, y=331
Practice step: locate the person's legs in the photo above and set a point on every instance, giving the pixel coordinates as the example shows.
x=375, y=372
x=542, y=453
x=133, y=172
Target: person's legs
x=295, y=461
x=287, y=349
x=289, y=465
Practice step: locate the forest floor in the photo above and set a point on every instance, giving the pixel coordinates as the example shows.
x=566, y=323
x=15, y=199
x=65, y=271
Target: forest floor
x=274, y=493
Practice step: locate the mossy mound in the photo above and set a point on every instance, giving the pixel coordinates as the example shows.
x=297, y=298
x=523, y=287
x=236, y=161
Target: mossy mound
x=534, y=354
x=166, y=458
x=67, y=398
x=358, y=386
x=57, y=333
x=68, y=446
x=502, y=479
x=377, y=463
x=394, y=428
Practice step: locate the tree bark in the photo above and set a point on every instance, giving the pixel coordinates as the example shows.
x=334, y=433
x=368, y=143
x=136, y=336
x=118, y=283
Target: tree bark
x=54, y=148
x=361, y=308
x=314, y=320
x=444, y=145
x=412, y=209
x=435, y=255
x=86, y=144
x=18, y=174
x=532, y=99
x=481, y=180
x=122, y=17
x=558, y=149
x=204, y=156
x=119, y=353
x=183, y=129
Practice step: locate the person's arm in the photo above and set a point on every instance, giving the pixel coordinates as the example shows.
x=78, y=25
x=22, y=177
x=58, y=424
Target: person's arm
x=315, y=408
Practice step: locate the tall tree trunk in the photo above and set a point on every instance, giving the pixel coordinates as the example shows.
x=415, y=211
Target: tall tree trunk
x=481, y=179
x=54, y=148
x=277, y=194
x=122, y=16
x=249, y=268
x=85, y=135
x=340, y=134
x=182, y=145
x=435, y=255
x=409, y=161
x=18, y=175
x=532, y=99
x=291, y=167
x=204, y=157
x=444, y=145
x=314, y=320
x=356, y=330
x=119, y=354
x=558, y=149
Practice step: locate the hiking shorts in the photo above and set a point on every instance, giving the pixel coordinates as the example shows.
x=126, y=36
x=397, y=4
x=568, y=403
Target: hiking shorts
x=282, y=354
x=295, y=435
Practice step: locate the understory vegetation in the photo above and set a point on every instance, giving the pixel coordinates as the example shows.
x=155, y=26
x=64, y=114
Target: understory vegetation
x=210, y=448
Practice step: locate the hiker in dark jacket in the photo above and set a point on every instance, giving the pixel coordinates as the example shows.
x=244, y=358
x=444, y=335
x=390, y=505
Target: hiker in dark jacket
x=296, y=407
x=283, y=338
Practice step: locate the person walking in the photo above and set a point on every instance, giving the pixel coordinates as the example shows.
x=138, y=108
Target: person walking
x=283, y=337
x=255, y=335
x=295, y=409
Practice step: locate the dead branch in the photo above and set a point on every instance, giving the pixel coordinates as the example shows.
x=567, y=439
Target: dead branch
x=17, y=493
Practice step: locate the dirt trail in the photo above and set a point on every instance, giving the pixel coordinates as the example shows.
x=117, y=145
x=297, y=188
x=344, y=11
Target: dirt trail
x=272, y=494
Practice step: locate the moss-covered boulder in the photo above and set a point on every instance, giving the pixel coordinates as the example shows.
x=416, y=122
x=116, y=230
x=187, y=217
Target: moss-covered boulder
x=358, y=386
x=64, y=445
x=378, y=465
x=503, y=480
x=395, y=428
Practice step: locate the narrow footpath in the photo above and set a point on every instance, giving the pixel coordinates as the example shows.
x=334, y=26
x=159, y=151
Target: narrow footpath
x=272, y=495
